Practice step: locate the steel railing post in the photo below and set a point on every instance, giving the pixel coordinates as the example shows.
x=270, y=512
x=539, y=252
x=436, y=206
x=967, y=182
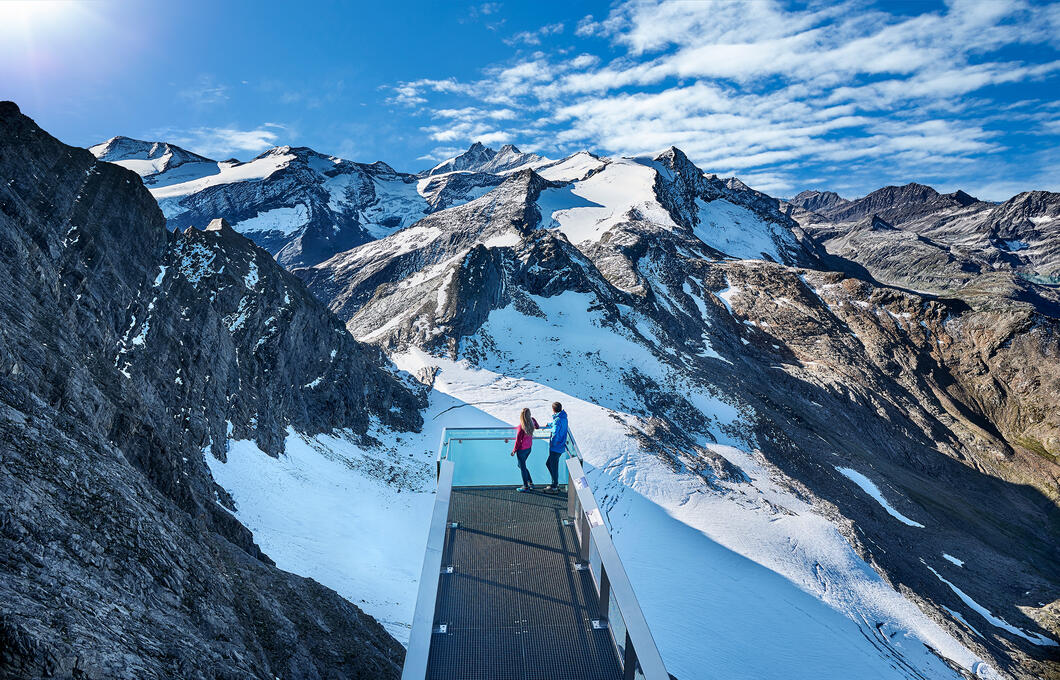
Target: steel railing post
x=572, y=499
x=629, y=664
x=583, y=538
x=646, y=657
x=605, y=593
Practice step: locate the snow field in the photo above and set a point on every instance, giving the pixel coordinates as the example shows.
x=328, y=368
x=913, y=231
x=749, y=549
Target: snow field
x=286, y=220
x=259, y=168
x=325, y=510
x=871, y=489
x=590, y=207
x=738, y=231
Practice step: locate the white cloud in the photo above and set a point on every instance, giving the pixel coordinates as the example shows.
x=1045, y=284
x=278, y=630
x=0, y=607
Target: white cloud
x=204, y=92
x=534, y=37
x=225, y=142
x=414, y=92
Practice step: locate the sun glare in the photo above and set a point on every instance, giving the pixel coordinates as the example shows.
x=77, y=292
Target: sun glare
x=36, y=18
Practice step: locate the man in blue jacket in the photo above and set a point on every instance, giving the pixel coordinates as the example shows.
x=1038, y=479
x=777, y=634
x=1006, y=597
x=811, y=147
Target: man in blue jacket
x=557, y=444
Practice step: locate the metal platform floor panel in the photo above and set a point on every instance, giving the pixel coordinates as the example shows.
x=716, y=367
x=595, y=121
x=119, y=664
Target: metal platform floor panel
x=514, y=606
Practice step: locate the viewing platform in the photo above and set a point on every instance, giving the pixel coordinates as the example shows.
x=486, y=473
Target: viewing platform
x=522, y=585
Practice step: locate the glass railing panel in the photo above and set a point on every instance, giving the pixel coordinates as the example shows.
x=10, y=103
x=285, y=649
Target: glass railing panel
x=594, y=560
x=618, y=625
x=482, y=457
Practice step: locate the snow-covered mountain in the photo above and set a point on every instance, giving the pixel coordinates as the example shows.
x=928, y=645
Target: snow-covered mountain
x=158, y=163
x=480, y=158
x=797, y=461
x=299, y=205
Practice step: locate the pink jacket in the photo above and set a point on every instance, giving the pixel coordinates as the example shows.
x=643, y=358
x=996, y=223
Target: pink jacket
x=524, y=441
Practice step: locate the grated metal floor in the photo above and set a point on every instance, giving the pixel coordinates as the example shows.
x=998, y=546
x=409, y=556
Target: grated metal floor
x=515, y=607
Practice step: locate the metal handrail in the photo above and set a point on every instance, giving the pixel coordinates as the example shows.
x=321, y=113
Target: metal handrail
x=488, y=439
x=443, y=443
x=415, y=667
x=640, y=648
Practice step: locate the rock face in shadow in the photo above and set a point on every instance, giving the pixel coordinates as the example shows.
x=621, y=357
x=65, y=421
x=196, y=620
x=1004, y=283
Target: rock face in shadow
x=127, y=354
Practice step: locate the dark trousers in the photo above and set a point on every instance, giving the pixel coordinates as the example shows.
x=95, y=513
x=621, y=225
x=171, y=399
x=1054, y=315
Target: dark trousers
x=521, y=456
x=553, y=466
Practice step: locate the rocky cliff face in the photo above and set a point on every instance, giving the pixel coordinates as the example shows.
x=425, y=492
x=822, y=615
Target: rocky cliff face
x=129, y=353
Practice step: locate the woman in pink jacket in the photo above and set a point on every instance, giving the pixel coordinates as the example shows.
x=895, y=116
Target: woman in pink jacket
x=524, y=440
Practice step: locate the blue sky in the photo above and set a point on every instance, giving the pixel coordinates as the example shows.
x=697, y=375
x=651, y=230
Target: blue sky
x=846, y=96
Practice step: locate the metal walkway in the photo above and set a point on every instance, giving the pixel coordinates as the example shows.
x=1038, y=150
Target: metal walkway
x=522, y=586
x=515, y=605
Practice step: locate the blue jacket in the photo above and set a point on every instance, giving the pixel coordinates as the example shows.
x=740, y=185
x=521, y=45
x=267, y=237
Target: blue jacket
x=558, y=441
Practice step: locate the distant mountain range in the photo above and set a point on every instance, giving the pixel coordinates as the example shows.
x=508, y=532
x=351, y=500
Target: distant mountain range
x=915, y=237
x=305, y=207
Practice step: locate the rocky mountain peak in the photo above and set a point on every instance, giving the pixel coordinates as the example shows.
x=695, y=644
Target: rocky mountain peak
x=481, y=158
x=677, y=162
x=962, y=198
x=736, y=184
x=816, y=201
x=477, y=153
x=895, y=204
x=383, y=167
x=476, y=156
